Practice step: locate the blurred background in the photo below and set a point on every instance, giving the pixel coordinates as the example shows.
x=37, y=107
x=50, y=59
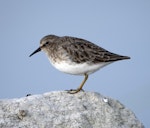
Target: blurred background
x=121, y=27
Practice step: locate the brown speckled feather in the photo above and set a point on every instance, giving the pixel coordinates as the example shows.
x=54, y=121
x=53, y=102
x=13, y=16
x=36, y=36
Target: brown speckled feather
x=84, y=51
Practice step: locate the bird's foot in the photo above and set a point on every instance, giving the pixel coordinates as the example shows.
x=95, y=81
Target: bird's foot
x=73, y=91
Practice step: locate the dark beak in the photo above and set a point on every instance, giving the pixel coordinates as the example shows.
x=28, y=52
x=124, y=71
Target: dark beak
x=37, y=50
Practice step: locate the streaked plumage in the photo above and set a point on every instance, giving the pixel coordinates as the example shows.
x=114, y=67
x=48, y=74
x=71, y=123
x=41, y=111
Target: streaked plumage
x=76, y=56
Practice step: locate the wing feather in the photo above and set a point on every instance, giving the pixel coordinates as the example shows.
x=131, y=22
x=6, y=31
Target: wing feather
x=81, y=51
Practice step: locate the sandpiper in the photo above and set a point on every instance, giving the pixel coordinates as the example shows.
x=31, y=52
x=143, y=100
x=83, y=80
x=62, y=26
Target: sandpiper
x=76, y=56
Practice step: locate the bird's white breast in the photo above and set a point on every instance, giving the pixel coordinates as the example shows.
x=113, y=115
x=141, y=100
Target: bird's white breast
x=78, y=69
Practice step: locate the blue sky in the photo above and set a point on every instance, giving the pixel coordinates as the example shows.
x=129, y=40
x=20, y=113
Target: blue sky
x=121, y=27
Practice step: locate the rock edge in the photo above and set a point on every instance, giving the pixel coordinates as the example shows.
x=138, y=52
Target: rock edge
x=62, y=110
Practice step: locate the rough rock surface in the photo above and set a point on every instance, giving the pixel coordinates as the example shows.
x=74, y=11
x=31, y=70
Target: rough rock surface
x=63, y=110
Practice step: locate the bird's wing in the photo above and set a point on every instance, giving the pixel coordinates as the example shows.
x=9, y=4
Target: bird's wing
x=84, y=51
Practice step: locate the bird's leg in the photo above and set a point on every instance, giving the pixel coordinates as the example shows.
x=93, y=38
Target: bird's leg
x=80, y=87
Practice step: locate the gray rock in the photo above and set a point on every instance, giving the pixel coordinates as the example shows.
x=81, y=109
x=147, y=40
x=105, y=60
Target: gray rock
x=63, y=110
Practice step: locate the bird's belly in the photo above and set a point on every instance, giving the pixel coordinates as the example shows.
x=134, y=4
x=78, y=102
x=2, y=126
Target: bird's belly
x=78, y=69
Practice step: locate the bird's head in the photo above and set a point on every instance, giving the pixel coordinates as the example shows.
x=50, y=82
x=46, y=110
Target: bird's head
x=45, y=41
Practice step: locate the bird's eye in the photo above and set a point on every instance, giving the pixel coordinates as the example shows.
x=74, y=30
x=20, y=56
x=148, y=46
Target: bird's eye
x=45, y=44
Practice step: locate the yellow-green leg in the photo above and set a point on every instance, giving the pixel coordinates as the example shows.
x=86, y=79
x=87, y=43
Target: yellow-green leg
x=80, y=87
